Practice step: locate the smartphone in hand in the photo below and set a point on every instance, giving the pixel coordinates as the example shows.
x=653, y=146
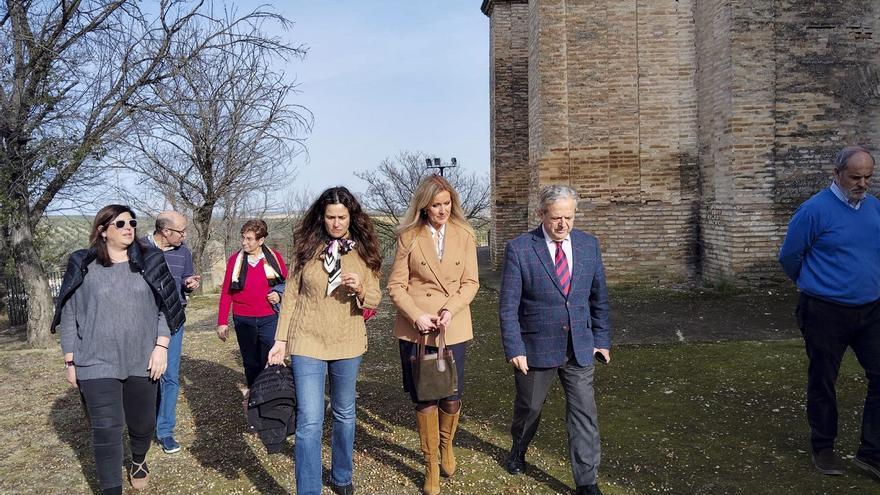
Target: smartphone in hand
x=598, y=356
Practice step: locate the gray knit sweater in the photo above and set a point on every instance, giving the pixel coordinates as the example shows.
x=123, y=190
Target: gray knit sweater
x=110, y=323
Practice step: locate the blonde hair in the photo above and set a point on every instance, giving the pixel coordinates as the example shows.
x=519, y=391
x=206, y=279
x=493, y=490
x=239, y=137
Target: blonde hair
x=416, y=216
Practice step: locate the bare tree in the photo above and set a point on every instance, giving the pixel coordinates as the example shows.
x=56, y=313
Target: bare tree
x=74, y=72
x=390, y=188
x=222, y=136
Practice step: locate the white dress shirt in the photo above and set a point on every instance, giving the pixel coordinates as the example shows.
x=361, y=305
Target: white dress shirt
x=439, y=243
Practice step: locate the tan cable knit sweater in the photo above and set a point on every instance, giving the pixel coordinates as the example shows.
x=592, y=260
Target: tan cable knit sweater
x=326, y=327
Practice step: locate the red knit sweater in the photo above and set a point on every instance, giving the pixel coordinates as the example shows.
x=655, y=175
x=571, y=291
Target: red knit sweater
x=250, y=301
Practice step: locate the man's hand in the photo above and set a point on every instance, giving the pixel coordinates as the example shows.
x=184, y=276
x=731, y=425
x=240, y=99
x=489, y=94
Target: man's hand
x=520, y=363
x=192, y=282
x=222, y=332
x=605, y=353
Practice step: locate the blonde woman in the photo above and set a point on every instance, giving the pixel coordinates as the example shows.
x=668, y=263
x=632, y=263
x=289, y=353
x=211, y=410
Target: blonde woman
x=432, y=282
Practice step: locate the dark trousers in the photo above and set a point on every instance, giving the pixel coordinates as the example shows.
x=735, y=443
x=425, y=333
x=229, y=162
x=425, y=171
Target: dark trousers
x=828, y=329
x=581, y=417
x=112, y=404
x=256, y=336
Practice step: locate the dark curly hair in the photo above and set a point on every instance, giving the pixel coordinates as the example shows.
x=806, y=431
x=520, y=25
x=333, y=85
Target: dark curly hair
x=310, y=235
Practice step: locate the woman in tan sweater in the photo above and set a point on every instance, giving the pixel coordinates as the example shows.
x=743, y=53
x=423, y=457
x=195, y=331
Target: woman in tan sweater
x=432, y=282
x=321, y=327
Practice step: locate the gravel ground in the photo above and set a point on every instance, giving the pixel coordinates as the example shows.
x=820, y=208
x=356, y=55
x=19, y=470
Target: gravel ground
x=713, y=418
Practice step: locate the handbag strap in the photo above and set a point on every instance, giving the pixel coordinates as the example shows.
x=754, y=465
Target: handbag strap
x=423, y=342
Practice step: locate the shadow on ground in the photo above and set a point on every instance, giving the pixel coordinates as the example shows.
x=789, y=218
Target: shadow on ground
x=68, y=418
x=388, y=408
x=214, y=397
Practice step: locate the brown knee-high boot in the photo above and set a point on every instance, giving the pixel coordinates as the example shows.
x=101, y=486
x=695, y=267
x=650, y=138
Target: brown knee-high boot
x=429, y=434
x=448, y=426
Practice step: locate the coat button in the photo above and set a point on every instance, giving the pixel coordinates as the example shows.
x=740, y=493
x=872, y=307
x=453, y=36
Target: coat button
x=423, y=263
x=458, y=262
x=428, y=294
x=565, y=327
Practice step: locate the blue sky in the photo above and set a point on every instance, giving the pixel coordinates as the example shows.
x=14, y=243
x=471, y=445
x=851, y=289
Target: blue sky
x=385, y=76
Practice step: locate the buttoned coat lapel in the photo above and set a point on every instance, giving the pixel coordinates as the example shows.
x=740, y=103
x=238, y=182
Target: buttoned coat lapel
x=579, y=251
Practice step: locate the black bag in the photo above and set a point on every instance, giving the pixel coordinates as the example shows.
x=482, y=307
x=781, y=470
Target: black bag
x=434, y=375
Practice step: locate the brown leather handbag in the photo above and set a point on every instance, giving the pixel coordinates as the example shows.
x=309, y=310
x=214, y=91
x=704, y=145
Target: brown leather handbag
x=434, y=375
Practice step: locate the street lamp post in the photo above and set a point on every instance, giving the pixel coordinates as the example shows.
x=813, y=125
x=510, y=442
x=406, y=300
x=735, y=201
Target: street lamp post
x=435, y=163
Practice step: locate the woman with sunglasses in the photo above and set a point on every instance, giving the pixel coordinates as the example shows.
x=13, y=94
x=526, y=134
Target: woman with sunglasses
x=116, y=305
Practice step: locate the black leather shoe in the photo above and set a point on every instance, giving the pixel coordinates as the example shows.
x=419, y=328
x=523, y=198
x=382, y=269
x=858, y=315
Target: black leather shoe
x=870, y=465
x=827, y=462
x=342, y=489
x=516, y=462
x=588, y=490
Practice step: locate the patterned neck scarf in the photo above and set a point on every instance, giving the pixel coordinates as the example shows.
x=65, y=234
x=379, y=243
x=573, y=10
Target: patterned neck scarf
x=332, y=255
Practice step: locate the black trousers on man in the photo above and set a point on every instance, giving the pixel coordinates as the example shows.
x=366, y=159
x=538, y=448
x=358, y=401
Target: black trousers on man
x=828, y=329
x=580, y=413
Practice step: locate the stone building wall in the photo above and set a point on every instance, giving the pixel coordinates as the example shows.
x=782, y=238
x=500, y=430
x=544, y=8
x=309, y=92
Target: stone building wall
x=691, y=128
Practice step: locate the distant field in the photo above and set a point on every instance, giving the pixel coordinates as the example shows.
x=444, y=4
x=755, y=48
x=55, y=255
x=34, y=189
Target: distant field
x=59, y=235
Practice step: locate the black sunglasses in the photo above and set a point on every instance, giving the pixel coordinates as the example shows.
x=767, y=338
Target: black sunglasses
x=120, y=224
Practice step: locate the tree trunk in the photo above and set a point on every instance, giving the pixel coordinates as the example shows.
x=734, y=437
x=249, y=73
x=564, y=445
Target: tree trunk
x=30, y=270
x=202, y=224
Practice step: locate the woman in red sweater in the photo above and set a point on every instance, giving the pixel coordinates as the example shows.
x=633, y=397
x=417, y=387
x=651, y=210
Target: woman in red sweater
x=253, y=286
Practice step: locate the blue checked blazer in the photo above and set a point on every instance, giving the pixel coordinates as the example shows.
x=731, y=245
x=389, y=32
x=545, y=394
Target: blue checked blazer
x=536, y=317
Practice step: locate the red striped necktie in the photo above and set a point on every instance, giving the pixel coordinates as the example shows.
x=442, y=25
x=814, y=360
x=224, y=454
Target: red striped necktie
x=562, y=272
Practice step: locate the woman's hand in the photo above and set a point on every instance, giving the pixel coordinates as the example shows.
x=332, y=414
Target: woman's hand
x=222, y=332
x=276, y=354
x=158, y=362
x=444, y=320
x=352, y=281
x=426, y=323
x=71, y=376
x=273, y=297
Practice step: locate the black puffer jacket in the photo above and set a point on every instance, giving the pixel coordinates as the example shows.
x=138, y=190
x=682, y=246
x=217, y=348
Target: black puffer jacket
x=272, y=406
x=147, y=260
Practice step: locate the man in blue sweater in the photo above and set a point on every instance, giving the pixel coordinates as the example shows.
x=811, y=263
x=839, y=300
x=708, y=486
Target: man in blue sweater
x=832, y=253
x=169, y=234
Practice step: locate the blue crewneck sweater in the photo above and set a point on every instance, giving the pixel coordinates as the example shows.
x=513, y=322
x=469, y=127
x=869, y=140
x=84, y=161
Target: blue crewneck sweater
x=832, y=251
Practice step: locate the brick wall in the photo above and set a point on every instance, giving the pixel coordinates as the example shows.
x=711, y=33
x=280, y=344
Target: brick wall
x=691, y=128
x=508, y=103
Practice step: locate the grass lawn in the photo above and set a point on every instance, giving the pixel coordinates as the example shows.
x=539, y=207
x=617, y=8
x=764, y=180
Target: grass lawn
x=716, y=418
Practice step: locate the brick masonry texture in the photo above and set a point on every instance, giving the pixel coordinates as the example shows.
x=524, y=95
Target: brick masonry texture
x=691, y=129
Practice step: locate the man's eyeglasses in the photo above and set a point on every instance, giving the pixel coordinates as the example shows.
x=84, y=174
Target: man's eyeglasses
x=120, y=224
x=181, y=232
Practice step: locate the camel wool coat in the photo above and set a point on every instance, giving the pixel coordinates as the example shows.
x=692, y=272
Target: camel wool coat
x=420, y=283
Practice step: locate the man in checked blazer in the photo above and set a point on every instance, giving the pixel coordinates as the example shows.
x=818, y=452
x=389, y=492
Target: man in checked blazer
x=554, y=318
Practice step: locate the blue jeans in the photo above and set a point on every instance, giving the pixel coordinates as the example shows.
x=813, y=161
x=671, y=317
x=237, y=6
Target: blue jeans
x=309, y=375
x=169, y=388
x=255, y=336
